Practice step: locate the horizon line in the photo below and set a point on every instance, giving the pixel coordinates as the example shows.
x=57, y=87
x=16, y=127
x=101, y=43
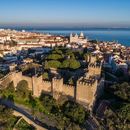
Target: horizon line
x=60, y=27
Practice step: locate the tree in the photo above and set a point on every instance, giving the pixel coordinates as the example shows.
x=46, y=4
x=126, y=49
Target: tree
x=119, y=119
x=111, y=119
x=74, y=64
x=119, y=116
x=45, y=76
x=5, y=114
x=74, y=111
x=124, y=113
x=22, y=88
x=57, y=51
x=11, y=97
x=122, y=91
x=54, y=57
x=53, y=64
x=49, y=103
x=10, y=88
x=70, y=54
x=65, y=64
x=33, y=103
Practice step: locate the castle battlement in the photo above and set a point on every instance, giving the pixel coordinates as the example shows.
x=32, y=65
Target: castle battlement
x=84, y=91
x=94, y=66
x=46, y=81
x=86, y=84
x=55, y=79
x=68, y=86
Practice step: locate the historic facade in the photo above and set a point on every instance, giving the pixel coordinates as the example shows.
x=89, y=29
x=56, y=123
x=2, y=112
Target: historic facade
x=74, y=38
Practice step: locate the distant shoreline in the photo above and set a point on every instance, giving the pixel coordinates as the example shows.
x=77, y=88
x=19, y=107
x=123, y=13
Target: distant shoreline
x=120, y=35
x=64, y=28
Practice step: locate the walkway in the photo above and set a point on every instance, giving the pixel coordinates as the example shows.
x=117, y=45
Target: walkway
x=29, y=121
x=26, y=116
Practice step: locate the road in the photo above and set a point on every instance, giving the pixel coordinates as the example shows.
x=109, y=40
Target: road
x=29, y=118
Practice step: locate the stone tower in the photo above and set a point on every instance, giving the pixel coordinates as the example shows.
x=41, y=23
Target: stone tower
x=85, y=93
x=57, y=87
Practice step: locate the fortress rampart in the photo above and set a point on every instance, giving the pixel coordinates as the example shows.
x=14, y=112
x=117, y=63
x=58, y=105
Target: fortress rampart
x=84, y=92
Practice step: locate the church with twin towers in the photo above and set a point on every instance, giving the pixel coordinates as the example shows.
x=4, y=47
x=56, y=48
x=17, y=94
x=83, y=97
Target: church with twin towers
x=75, y=38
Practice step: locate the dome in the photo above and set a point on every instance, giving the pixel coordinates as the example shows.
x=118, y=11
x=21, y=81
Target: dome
x=81, y=34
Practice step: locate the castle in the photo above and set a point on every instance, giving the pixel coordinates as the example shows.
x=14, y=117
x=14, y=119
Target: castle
x=84, y=92
x=74, y=38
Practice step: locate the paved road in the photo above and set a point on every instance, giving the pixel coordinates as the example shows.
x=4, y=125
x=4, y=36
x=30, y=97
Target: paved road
x=35, y=122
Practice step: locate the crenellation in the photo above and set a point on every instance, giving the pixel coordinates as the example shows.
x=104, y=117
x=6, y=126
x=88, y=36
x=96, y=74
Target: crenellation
x=46, y=81
x=57, y=79
x=84, y=91
x=68, y=85
x=68, y=90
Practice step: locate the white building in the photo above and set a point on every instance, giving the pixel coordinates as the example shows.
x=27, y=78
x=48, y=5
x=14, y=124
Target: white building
x=78, y=39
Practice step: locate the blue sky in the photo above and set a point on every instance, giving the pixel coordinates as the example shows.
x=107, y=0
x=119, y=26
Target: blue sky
x=113, y=13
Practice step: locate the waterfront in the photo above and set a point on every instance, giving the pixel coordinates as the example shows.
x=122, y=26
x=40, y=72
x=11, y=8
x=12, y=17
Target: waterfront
x=122, y=36
x=39, y=63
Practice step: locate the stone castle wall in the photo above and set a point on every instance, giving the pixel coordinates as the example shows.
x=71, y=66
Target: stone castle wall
x=37, y=85
x=47, y=86
x=85, y=93
x=17, y=77
x=68, y=90
x=82, y=92
x=94, y=70
x=6, y=80
x=57, y=87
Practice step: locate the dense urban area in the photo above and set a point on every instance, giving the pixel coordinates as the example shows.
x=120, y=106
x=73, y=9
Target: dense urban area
x=60, y=82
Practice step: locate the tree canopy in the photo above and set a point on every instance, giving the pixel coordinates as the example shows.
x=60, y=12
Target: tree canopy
x=22, y=88
x=74, y=111
x=52, y=64
x=54, y=57
x=118, y=117
x=63, y=58
x=10, y=87
x=122, y=91
x=74, y=64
